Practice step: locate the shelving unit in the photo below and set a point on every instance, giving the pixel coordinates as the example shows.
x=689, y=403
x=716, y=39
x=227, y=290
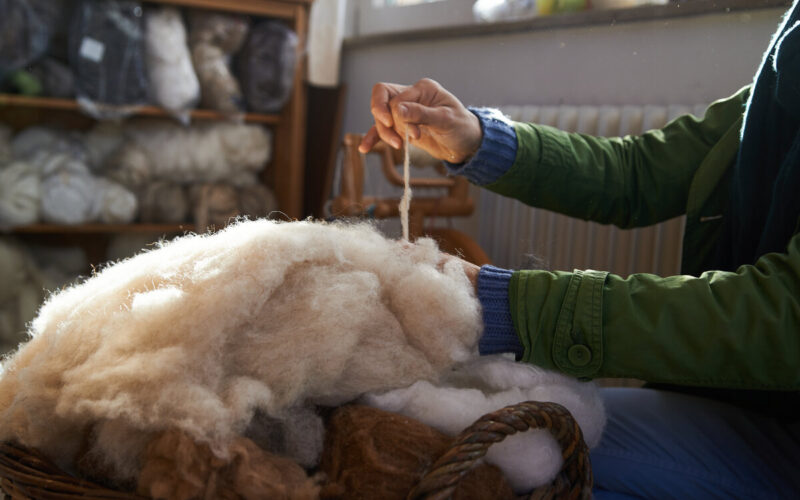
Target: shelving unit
x=52, y=103
x=285, y=172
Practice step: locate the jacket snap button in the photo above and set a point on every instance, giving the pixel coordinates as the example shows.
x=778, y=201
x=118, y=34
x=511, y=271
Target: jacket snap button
x=579, y=355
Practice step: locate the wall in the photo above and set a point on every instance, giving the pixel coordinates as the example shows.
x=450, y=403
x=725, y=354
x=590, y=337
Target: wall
x=677, y=60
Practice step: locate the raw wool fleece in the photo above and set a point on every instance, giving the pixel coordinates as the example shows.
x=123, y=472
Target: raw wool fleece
x=173, y=83
x=481, y=386
x=203, y=331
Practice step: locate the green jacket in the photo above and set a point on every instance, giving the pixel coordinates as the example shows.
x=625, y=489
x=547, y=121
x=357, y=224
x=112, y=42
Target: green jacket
x=712, y=329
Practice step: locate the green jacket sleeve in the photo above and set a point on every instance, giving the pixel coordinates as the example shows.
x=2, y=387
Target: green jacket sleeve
x=721, y=329
x=629, y=181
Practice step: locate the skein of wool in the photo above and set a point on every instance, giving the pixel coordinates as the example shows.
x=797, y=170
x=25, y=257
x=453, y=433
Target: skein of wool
x=163, y=202
x=214, y=38
x=20, y=194
x=68, y=197
x=204, y=152
x=113, y=204
x=173, y=82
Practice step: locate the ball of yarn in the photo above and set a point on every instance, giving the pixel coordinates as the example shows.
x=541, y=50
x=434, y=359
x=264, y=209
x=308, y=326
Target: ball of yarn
x=173, y=82
x=20, y=194
x=113, y=203
x=163, y=201
x=130, y=166
x=68, y=198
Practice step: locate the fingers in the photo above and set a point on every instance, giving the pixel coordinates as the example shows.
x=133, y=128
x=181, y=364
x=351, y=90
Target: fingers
x=439, y=117
x=382, y=93
x=369, y=140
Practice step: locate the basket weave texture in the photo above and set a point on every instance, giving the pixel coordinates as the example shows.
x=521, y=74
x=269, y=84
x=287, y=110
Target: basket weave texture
x=26, y=474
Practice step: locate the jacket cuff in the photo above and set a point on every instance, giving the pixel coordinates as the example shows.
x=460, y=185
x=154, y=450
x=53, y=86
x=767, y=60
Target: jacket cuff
x=499, y=335
x=497, y=152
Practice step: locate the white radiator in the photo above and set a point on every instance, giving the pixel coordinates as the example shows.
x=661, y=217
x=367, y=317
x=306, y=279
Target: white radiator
x=510, y=232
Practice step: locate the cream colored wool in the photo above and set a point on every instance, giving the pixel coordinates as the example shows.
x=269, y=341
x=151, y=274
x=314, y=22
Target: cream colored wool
x=199, y=333
x=20, y=194
x=204, y=152
x=173, y=82
x=528, y=460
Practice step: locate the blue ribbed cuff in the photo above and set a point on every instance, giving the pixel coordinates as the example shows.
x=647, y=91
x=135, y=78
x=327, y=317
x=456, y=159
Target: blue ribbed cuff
x=497, y=152
x=499, y=335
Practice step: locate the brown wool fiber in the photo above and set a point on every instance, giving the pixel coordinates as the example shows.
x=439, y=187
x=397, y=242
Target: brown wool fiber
x=199, y=333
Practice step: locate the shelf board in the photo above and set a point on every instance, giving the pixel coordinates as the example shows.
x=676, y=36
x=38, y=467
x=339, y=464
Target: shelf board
x=285, y=9
x=21, y=101
x=102, y=228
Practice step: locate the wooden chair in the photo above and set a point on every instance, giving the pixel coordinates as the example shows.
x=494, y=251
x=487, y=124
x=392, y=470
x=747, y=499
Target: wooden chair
x=455, y=203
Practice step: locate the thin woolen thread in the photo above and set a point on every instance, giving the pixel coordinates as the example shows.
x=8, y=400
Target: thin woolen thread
x=405, y=201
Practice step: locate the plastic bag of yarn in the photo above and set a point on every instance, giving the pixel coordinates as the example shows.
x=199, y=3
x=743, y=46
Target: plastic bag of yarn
x=266, y=66
x=106, y=51
x=24, y=34
x=173, y=82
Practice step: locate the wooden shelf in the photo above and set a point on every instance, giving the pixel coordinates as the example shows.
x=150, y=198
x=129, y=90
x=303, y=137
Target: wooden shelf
x=21, y=101
x=102, y=228
x=286, y=9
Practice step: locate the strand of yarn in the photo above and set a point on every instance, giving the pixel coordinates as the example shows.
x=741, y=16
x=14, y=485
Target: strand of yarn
x=405, y=202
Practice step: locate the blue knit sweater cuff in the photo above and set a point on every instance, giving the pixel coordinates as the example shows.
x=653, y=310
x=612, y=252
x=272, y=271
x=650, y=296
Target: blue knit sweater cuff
x=497, y=152
x=499, y=335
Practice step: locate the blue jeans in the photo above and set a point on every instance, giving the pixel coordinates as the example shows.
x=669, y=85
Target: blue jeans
x=665, y=445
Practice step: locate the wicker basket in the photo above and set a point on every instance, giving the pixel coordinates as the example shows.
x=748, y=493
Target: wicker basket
x=26, y=474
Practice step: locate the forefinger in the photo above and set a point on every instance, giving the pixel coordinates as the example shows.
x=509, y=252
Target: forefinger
x=382, y=93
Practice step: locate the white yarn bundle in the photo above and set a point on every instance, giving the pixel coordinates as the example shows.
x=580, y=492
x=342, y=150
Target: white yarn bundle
x=205, y=152
x=20, y=194
x=529, y=459
x=173, y=82
x=199, y=333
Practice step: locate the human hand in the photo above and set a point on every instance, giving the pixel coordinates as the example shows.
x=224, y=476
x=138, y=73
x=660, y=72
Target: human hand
x=436, y=120
x=470, y=269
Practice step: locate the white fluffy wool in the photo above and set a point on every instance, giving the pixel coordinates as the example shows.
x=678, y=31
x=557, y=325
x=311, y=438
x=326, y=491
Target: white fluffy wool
x=20, y=194
x=173, y=81
x=204, y=152
x=529, y=459
x=202, y=331
x=68, y=198
x=113, y=204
